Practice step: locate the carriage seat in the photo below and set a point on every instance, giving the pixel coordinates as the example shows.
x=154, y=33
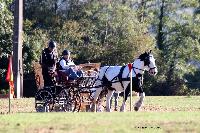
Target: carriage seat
x=62, y=77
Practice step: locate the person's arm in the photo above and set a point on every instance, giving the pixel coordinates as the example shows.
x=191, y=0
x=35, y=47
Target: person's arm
x=55, y=59
x=43, y=59
x=71, y=63
x=63, y=64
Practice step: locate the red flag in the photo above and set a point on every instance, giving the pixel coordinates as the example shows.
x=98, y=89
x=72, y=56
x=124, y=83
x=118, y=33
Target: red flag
x=130, y=66
x=9, y=77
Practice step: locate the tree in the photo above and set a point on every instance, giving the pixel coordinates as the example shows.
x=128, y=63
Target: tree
x=34, y=41
x=6, y=24
x=116, y=29
x=177, y=40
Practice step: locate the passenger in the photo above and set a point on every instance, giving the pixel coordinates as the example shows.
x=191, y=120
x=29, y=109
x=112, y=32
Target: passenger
x=68, y=65
x=48, y=61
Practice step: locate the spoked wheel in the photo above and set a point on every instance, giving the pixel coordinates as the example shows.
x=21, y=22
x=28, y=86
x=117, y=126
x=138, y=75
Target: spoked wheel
x=86, y=100
x=44, y=101
x=74, y=100
x=64, y=101
x=76, y=103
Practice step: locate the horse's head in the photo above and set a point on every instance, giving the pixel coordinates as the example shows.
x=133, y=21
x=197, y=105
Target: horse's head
x=149, y=62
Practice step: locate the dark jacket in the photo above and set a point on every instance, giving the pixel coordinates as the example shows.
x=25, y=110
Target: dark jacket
x=48, y=58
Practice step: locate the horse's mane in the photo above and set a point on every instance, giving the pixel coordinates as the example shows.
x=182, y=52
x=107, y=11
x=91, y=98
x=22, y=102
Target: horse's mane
x=143, y=56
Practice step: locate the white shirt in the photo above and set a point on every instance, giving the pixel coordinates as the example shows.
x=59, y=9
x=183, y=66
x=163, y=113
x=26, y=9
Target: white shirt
x=67, y=64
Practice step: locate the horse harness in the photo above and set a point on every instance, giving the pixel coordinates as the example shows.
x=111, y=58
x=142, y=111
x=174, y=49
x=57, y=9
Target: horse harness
x=106, y=82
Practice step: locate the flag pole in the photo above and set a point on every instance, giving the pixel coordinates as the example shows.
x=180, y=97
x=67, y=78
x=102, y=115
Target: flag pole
x=9, y=79
x=131, y=80
x=130, y=70
x=9, y=100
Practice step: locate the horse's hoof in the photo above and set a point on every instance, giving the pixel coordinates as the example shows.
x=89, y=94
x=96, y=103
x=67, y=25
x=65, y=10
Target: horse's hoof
x=122, y=110
x=93, y=108
x=108, y=110
x=99, y=110
x=136, y=108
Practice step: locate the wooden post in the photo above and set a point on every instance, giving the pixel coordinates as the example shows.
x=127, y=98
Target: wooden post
x=17, y=48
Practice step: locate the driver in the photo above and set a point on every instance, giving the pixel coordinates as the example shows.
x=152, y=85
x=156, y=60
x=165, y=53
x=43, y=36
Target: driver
x=68, y=65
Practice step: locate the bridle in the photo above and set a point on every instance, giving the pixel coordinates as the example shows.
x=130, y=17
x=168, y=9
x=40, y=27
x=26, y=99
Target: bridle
x=150, y=68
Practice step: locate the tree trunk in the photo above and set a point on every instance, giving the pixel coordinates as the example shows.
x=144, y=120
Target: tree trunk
x=160, y=28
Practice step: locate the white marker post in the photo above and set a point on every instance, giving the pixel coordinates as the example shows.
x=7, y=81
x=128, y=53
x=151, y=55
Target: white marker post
x=131, y=80
x=130, y=69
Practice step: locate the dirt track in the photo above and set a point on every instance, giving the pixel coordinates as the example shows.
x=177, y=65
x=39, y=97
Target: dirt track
x=151, y=104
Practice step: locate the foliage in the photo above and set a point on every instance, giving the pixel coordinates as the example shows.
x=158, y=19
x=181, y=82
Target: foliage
x=178, y=42
x=112, y=32
x=6, y=24
x=33, y=43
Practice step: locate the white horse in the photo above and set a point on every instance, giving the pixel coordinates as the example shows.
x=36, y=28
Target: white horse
x=117, y=78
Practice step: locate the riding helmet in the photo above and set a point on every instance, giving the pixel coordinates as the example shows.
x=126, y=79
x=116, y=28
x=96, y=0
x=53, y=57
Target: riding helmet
x=66, y=52
x=52, y=44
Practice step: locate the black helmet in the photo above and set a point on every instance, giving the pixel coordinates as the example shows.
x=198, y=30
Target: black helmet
x=52, y=44
x=65, y=52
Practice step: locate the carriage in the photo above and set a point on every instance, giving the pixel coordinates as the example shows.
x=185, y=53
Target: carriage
x=72, y=96
x=66, y=95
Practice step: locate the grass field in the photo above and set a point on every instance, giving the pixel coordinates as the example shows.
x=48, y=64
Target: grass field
x=159, y=114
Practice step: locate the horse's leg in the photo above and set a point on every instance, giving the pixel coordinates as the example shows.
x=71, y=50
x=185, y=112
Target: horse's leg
x=108, y=97
x=123, y=107
x=94, y=101
x=116, y=96
x=99, y=103
x=139, y=103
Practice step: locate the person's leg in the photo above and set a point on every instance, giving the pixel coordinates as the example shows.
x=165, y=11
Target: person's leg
x=46, y=78
x=79, y=73
x=72, y=74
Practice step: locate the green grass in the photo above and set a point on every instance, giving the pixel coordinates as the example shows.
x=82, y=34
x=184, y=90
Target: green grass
x=159, y=114
x=101, y=122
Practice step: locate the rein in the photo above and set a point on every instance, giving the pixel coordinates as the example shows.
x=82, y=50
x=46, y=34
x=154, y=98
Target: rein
x=152, y=68
x=137, y=68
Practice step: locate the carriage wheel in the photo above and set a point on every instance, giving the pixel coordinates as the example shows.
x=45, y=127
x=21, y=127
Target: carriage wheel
x=64, y=100
x=74, y=99
x=38, y=81
x=77, y=103
x=85, y=101
x=70, y=100
x=44, y=101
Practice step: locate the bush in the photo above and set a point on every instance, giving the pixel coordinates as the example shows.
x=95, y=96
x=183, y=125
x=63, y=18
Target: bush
x=4, y=91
